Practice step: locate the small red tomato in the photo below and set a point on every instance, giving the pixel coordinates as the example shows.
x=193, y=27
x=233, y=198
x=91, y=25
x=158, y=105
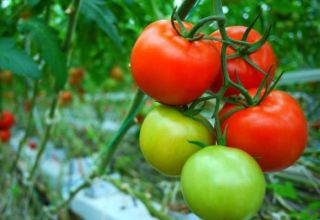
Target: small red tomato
x=170, y=68
x=76, y=75
x=5, y=135
x=274, y=132
x=32, y=145
x=250, y=77
x=65, y=98
x=6, y=120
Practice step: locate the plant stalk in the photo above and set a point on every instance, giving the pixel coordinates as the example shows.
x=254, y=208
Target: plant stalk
x=29, y=125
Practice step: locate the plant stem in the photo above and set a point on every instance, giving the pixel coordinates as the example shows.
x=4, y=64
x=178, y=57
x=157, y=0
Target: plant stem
x=66, y=48
x=72, y=23
x=29, y=125
x=107, y=152
x=185, y=8
x=45, y=138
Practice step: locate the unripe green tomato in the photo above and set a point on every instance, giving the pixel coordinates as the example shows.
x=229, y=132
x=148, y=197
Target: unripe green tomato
x=164, y=137
x=221, y=183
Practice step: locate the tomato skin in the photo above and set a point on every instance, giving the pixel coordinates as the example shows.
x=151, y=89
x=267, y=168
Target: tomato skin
x=275, y=131
x=264, y=57
x=5, y=135
x=164, y=137
x=171, y=69
x=6, y=120
x=219, y=183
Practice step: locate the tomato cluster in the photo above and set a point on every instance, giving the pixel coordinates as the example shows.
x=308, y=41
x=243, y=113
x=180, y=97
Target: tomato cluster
x=6, y=122
x=218, y=182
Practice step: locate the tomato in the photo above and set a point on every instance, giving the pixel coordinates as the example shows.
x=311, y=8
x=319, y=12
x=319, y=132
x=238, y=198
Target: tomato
x=274, y=132
x=164, y=137
x=116, y=73
x=223, y=183
x=32, y=145
x=6, y=120
x=264, y=57
x=65, y=98
x=171, y=69
x=6, y=76
x=76, y=76
x=5, y=135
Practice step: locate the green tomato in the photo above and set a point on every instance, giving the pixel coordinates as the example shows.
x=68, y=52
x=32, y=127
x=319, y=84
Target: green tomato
x=164, y=137
x=221, y=183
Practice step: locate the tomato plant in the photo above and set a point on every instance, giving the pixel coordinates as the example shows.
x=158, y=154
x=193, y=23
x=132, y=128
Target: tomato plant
x=5, y=135
x=274, y=132
x=222, y=183
x=164, y=137
x=6, y=120
x=170, y=68
x=249, y=76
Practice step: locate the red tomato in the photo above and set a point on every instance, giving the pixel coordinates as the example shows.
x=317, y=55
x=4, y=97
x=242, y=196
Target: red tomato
x=171, y=69
x=6, y=120
x=274, y=132
x=76, y=75
x=5, y=135
x=250, y=77
x=65, y=98
x=32, y=145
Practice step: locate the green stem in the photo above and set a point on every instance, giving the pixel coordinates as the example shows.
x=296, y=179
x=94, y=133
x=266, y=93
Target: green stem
x=185, y=8
x=66, y=48
x=72, y=22
x=107, y=152
x=201, y=23
x=29, y=125
x=217, y=8
x=45, y=137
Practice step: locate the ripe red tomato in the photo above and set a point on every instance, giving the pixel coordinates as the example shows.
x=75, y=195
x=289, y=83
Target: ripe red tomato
x=164, y=137
x=6, y=120
x=32, y=145
x=65, y=98
x=274, y=132
x=223, y=183
x=264, y=57
x=171, y=69
x=5, y=135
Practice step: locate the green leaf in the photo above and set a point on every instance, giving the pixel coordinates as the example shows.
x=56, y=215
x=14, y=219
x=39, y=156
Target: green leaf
x=95, y=10
x=286, y=190
x=46, y=40
x=17, y=61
